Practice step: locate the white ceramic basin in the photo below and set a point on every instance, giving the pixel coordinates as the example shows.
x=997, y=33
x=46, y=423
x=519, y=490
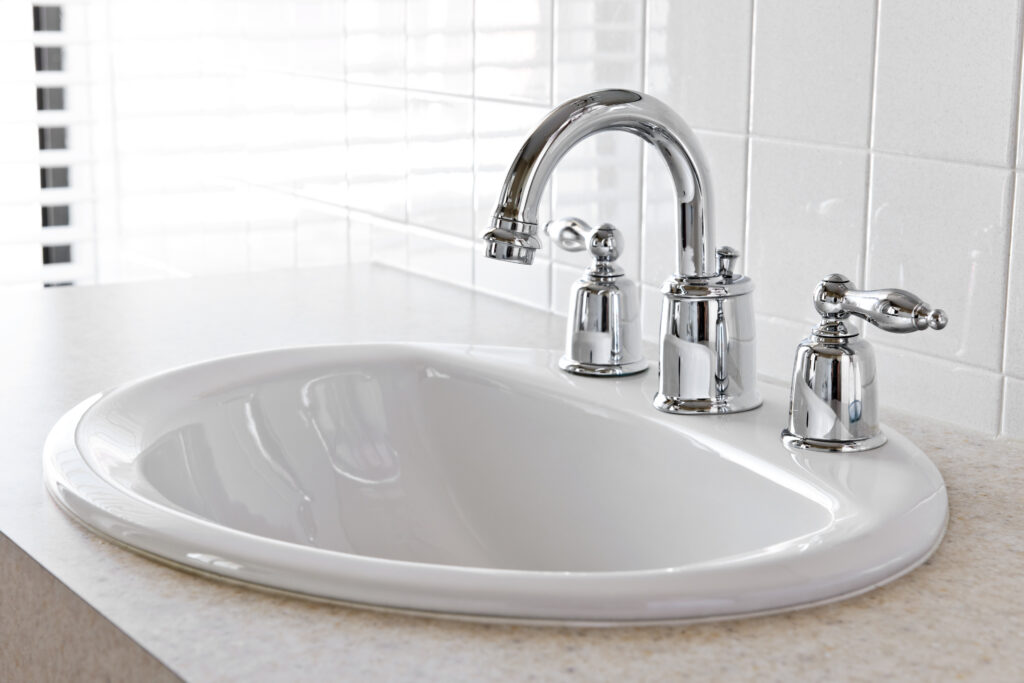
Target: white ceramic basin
x=485, y=482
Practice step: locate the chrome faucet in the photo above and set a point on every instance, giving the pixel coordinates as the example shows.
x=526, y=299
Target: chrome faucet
x=707, y=357
x=833, y=399
x=602, y=336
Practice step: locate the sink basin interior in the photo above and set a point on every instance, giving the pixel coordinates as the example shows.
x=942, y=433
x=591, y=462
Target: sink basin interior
x=409, y=458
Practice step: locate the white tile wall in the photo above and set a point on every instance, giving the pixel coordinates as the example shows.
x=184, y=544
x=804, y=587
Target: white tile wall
x=947, y=76
x=698, y=60
x=812, y=77
x=877, y=139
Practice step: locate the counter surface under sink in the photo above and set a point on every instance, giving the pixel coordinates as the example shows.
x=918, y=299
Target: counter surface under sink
x=954, y=617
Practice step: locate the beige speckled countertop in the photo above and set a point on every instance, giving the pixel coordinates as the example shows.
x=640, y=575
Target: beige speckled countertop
x=960, y=616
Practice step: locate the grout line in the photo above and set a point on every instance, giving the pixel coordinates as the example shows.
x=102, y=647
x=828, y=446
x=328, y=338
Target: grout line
x=748, y=180
x=553, y=180
x=645, y=56
x=407, y=260
x=345, y=114
x=874, y=75
x=473, y=133
x=552, y=43
x=880, y=341
x=869, y=194
x=1019, y=74
x=1013, y=244
x=750, y=70
x=441, y=93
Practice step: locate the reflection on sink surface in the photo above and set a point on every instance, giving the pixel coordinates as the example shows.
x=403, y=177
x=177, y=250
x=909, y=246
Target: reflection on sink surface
x=485, y=482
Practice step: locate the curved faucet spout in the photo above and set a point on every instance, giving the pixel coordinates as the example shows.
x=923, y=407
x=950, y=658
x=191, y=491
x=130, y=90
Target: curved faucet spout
x=513, y=233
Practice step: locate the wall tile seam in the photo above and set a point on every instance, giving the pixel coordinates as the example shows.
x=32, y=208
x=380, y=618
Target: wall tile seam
x=473, y=142
x=428, y=232
x=749, y=142
x=1015, y=159
x=714, y=131
x=645, y=55
x=459, y=242
x=553, y=181
x=869, y=177
x=926, y=356
x=389, y=222
x=425, y=92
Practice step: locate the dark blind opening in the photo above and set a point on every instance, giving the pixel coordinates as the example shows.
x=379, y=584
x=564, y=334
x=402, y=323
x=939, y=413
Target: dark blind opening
x=46, y=18
x=57, y=253
x=49, y=58
x=56, y=216
x=53, y=138
x=49, y=98
x=58, y=176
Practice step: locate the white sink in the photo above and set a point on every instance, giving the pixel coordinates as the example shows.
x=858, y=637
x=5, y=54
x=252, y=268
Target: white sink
x=484, y=482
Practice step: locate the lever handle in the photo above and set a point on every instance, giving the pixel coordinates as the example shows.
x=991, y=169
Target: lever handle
x=892, y=310
x=573, y=234
x=569, y=234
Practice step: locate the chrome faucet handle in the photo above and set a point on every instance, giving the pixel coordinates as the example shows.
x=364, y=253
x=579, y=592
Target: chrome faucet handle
x=603, y=335
x=569, y=234
x=833, y=402
x=892, y=310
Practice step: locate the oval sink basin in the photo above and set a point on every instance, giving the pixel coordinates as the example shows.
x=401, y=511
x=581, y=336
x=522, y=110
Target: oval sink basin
x=484, y=482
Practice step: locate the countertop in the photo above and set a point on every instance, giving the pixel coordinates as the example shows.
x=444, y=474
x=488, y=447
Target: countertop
x=959, y=616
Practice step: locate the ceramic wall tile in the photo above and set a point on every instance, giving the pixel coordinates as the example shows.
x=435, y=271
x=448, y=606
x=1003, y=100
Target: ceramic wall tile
x=813, y=70
x=375, y=42
x=777, y=340
x=441, y=257
x=529, y=285
x=439, y=50
x=947, y=80
x=512, y=58
x=600, y=45
x=807, y=218
x=321, y=239
x=650, y=313
x=562, y=279
x=597, y=45
x=1013, y=408
x=965, y=396
x=1013, y=352
x=272, y=248
x=320, y=27
x=698, y=60
x=265, y=124
x=599, y=180
x=499, y=130
x=388, y=240
x=440, y=149
x=927, y=238
x=377, y=154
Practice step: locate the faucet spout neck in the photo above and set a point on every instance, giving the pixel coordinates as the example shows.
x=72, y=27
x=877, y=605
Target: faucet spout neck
x=515, y=224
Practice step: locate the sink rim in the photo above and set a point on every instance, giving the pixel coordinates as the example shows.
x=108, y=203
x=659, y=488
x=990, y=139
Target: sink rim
x=125, y=515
